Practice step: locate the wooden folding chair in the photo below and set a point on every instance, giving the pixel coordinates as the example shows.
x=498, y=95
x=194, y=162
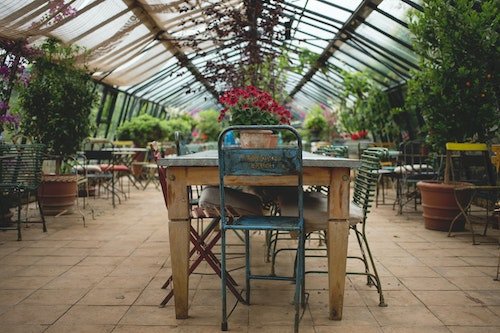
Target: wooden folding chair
x=202, y=243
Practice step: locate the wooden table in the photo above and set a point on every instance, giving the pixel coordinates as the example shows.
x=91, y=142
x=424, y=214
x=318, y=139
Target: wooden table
x=202, y=169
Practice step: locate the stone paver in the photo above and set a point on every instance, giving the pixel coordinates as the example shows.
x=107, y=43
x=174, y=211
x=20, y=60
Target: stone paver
x=107, y=276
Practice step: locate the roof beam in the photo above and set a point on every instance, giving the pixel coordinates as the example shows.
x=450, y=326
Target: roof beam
x=364, y=9
x=137, y=8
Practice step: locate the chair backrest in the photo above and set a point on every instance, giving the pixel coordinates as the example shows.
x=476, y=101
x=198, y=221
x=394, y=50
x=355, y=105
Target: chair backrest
x=365, y=183
x=469, y=162
x=162, y=173
x=21, y=165
x=335, y=151
x=252, y=163
x=123, y=143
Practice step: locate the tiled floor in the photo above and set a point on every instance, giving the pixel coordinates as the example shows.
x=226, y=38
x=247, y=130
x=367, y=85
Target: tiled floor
x=107, y=276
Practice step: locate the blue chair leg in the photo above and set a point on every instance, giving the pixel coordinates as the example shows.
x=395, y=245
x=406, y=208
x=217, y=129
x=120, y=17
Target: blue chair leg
x=223, y=279
x=247, y=265
x=19, y=237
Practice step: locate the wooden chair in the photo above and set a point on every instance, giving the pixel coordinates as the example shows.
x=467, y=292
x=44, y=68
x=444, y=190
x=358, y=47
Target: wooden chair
x=204, y=241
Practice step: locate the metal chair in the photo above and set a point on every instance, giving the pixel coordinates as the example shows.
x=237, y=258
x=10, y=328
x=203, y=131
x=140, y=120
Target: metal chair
x=316, y=216
x=96, y=172
x=20, y=175
x=471, y=163
x=284, y=164
x=414, y=165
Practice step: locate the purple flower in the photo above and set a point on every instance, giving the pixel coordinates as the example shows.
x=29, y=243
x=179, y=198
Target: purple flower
x=4, y=106
x=4, y=71
x=9, y=118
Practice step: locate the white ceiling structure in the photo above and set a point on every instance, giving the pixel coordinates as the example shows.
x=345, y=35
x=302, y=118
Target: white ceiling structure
x=165, y=51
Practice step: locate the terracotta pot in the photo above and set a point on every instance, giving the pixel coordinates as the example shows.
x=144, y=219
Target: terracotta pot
x=258, y=139
x=57, y=193
x=440, y=206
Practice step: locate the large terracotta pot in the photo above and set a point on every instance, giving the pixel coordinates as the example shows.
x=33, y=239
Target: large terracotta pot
x=258, y=139
x=440, y=205
x=57, y=194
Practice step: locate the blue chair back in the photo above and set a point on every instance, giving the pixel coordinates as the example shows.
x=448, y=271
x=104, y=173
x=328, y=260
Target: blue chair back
x=282, y=160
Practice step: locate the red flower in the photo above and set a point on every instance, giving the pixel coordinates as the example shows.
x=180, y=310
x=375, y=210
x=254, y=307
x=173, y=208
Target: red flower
x=252, y=106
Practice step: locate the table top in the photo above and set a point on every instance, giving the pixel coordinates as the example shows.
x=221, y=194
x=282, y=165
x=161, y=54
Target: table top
x=125, y=149
x=210, y=158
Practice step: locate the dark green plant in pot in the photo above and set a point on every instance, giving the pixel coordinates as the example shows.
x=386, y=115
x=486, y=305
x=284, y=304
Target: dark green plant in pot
x=183, y=124
x=456, y=88
x=57, y=104
x=208, y=126
x=143, y=129
x=315, y=124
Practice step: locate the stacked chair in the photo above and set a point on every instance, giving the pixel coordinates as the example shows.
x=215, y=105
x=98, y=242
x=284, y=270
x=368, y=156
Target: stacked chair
x=20, y=177
x=316, y=216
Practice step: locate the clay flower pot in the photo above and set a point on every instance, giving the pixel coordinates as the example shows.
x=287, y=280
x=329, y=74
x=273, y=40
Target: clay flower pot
x=440, y=205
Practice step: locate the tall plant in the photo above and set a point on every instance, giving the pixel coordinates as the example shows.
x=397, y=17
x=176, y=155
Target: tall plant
x=57, y=104
x=455, y=88
x=364, y=106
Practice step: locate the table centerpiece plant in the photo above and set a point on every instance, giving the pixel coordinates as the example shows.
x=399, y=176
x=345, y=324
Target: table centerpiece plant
x=252, y=106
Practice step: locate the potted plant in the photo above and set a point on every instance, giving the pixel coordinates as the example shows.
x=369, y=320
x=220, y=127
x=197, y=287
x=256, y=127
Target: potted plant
x=454, y=88
x=142, y=129
x=56, y=108
x=315, y=125
x=251, y=106
x=207, y=127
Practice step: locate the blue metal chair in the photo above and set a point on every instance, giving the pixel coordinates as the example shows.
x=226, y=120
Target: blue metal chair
x=246, y=165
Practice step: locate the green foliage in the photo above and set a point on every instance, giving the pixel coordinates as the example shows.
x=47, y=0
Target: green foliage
x=364, y=106
x=455, y=88
x=315, y=124
x=57, y=104
x=143, y=129
x=208, y=125
x=183, y=124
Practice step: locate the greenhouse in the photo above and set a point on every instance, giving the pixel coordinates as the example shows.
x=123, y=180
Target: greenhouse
x=249, y=166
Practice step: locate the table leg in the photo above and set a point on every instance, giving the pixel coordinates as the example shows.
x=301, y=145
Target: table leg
x=338, y=233
x=178, y=228
x=179, y=259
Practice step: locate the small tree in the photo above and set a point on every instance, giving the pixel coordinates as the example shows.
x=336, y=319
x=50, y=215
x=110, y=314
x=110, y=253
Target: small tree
x=143, y=129
x=455, y=87
x=57, y=103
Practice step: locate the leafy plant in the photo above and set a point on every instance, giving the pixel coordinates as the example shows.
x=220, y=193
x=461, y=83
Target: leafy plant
x=365, y=106
x=315, y=124
x=207, y=127
x=455, y=87
x=143, y=129
x=182, y=124
x=57, y=103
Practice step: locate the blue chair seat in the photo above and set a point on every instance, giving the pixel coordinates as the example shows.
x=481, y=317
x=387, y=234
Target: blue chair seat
x=288, y=223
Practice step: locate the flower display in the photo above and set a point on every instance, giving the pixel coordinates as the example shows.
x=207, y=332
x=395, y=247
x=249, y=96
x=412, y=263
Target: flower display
x=252, y=106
